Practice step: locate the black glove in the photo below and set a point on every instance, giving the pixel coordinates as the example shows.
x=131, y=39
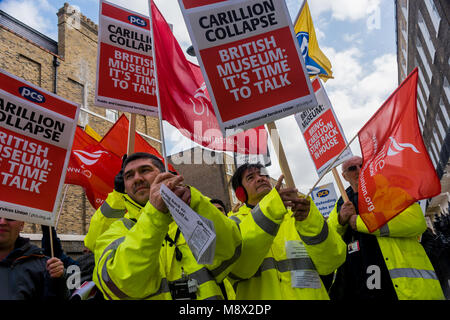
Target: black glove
x=119, y=184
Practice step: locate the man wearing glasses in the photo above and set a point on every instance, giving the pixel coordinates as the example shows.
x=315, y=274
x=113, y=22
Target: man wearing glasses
x=388, y=264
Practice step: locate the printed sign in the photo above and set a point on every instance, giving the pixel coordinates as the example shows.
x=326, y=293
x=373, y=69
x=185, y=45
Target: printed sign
x=198, y=231
x=324, y=198
x=125, y=69
x=322, y=132
x=250, y=59
x=36, y=136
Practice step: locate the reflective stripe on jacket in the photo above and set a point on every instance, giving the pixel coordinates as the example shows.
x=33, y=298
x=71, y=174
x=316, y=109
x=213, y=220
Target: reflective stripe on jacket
x=134, y=262
x=264, y=270
x=411, y=271
x=113, y=208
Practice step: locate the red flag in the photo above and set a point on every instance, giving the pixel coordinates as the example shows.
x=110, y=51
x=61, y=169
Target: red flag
x=185, y=101
x=397, y=170
x=92, y=167
x=116, y=140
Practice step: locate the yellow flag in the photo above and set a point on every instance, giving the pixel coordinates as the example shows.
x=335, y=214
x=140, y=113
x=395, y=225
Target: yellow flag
x=317, y=64
x=88, y=129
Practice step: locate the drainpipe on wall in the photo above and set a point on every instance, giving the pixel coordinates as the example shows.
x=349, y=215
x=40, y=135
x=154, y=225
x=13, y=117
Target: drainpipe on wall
x=56, y=64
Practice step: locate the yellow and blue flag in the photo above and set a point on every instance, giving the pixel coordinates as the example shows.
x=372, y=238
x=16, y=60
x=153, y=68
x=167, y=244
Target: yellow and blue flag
x=317, y=64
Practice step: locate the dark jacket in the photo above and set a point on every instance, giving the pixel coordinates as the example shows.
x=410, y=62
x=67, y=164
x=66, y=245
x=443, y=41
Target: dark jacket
x=23, y=275
x=352, y=276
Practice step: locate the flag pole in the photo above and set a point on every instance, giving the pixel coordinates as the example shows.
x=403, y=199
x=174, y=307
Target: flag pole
x=340, y=185
x=131, y=134
x=331, y=165
x=56, y=222
x=281, y=155
x=161, y=128
x=300, y=11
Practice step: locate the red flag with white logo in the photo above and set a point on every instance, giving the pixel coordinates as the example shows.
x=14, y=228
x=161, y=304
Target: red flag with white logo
x=116, y=141
x=397, y=170
x=93, y=167
x=185, y=102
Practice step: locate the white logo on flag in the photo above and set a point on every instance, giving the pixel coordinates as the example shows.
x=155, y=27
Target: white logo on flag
x=200, y=95
x=396, y=147
x=89, y=158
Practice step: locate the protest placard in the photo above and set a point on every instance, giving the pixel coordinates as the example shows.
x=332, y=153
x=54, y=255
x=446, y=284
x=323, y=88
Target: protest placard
x=322, y=132
x=250, y=60
x=36, y=135
x=125, y=69
x=324, y=198
x=198, y=231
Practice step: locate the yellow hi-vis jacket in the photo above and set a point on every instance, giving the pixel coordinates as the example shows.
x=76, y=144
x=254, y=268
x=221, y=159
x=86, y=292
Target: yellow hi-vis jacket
x=411, y=271
x=115, y=206
x=276, y=270
x=133, y=262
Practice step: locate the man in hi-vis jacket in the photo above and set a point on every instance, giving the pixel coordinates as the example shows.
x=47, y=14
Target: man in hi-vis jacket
x=143, y=255
x=297, y=247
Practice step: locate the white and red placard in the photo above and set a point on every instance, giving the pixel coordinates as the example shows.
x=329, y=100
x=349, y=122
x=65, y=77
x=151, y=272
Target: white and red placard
x=250, y=59
x=125, y=68
x=322, y=132
x=36, y=135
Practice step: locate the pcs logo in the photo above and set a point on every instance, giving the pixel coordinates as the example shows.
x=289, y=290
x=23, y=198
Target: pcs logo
x=31, y=94
x=137, y=21
x=322, y=193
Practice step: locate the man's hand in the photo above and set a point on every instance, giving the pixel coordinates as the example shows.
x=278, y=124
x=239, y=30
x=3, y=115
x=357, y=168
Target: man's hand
x=171, y=181
x=290, y=197
x=237, y=206
x=352, y=222
x=184, y=193
x=55, y=268
x=287, y=195
x=347, y=211
x=301, y=208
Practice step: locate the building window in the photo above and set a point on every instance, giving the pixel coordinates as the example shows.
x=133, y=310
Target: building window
x=421, y=127
x=420, y=113
x=434, y=14
x=447, y=89
x=404, y=6
x=426, y=36
x=424, y=83
x=445, y=113
x=112, y=115
x=433, y=159
x=440, y=126
x=435, y=152
x=437, y=139
x=424, y=59
x=422, y=102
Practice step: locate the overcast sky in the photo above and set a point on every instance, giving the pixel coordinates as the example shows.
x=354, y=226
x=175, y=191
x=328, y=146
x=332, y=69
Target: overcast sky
x=358, y=37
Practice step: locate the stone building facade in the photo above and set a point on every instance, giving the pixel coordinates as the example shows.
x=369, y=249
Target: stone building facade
x=68, y=68
x=423, y=41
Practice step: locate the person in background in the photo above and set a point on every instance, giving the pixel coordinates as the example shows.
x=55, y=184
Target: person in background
x=388, y=264
x=25, y=272
x=57, y=247
x=219, y=205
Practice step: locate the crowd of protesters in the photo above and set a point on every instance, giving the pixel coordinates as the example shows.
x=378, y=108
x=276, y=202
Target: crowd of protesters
x=276, y=245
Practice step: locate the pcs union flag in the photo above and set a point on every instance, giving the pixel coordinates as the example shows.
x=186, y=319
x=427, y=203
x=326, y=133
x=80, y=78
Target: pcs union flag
x=317, y=64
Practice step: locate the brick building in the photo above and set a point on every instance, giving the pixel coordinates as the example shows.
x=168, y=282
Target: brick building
x=67, y=68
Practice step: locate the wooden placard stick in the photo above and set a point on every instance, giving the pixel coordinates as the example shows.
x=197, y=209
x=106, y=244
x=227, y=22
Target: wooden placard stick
x=274, y=136
x=131, y=134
